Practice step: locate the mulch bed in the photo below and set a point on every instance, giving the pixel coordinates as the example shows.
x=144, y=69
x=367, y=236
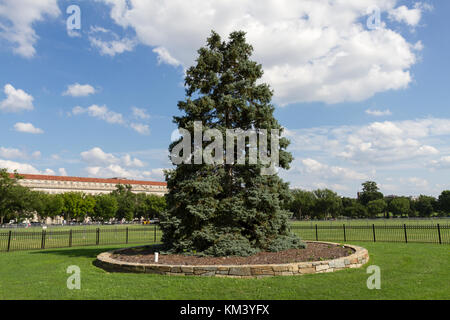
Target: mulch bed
x=313, y=252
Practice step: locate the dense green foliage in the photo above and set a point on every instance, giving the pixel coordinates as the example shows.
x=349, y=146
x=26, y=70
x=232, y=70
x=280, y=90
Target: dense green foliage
x=19, y=203
x=324, y=204
x=225, y=209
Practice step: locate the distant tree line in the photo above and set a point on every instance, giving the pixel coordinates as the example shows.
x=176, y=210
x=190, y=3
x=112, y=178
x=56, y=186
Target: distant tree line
x=18, y=203
x=370, y=203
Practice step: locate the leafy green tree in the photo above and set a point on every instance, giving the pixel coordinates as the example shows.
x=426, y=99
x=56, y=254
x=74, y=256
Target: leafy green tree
x=7, y=188
x=105, y=208
x=375, y=207
x=126, y=201
x=425, y=205
x=399, y=206
x=444, y=201
x=303, y=203
x=224, y=209
x=77, y=205
x=156, y=205
x=356, y=210
x=369, y=193
x=327, y=203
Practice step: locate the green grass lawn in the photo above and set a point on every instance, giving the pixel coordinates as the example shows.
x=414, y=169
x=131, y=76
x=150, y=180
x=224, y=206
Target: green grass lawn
x=408, y=271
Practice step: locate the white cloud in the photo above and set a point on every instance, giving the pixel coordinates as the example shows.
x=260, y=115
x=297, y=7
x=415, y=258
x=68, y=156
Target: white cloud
x=405, y=15
x=97, y=157
x=140, y=128
x=443, y=162
x=131, y=162
x=100, y=112
x=115, y=45
x=155, y=174
x=17, y=19
x=62, y=172
x=311, y=50
x=49, y=172
x=312, y=166
x=140, y=113
x=375, y=143
x=16, y=100
x=10, y=153
x=110, y=171
x=79, y=90
x=20, y=167
x=27, y=128
x=103, y=113
x=36, y=155
x=23, y=167
x=379, y=113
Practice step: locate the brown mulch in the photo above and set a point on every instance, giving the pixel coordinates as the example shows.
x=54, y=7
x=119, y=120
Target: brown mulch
x=313, y=252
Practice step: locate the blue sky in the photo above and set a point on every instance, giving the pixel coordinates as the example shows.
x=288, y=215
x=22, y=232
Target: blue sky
x=358, y=102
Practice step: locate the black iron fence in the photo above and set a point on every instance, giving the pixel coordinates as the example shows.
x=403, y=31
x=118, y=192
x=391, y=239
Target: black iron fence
x=438, y=234
x=13, y=240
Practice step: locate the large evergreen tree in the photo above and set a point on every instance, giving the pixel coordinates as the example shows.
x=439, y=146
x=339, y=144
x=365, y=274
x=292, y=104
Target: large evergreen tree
x=225, y=209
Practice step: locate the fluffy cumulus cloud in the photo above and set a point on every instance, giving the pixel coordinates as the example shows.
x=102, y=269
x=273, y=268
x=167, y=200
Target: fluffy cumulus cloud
x=100, y=112
x=377, y=142
x=23, y=167
x=16, y=100
x=27, y=128
x=14, y=153
x=311, y=166
x=17, y=21
x=103, y=113
x=311, y=50
x=113, y=44
x=79, y=90
x=342, y=157
x=11, y=153
x=96, y=156
x=106, y=165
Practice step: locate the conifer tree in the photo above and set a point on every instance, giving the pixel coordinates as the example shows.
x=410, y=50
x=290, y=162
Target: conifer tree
x=227, y=209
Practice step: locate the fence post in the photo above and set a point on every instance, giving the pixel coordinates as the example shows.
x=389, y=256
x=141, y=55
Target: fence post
x=9, y=239
x=439, y=233
x=70, y=238
x=317, y=234
x=373, y=229
x=155, y=234
x=127, y=236
x=345, y=237
x=98, y=236
x=43, y=240
x=406, y=237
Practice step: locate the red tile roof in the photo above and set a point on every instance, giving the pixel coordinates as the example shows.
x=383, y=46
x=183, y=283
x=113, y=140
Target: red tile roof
x=96, y=180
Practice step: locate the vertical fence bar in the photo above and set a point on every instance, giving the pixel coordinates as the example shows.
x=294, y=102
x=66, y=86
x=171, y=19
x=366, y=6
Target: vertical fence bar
x=373, y=229
x=127, y=236
x=439, y=233
x=155, y=235
x=345, y=237
x=317, y=234
x=9, y=240
x=406, y=236
x=43, y=240
x=98, y=236
x=70, y=238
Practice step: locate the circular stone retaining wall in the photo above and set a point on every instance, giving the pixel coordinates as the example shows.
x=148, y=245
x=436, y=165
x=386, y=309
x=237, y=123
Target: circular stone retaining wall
x=355, y=260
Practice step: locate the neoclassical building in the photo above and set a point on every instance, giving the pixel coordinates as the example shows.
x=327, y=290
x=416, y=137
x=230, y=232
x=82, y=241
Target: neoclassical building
x=59, y=184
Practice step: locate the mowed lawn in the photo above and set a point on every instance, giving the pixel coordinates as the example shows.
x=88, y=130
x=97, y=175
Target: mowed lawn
x=408, y=271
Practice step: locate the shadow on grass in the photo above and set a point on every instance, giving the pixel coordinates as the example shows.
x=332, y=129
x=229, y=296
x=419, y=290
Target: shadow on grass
x=77, y=252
